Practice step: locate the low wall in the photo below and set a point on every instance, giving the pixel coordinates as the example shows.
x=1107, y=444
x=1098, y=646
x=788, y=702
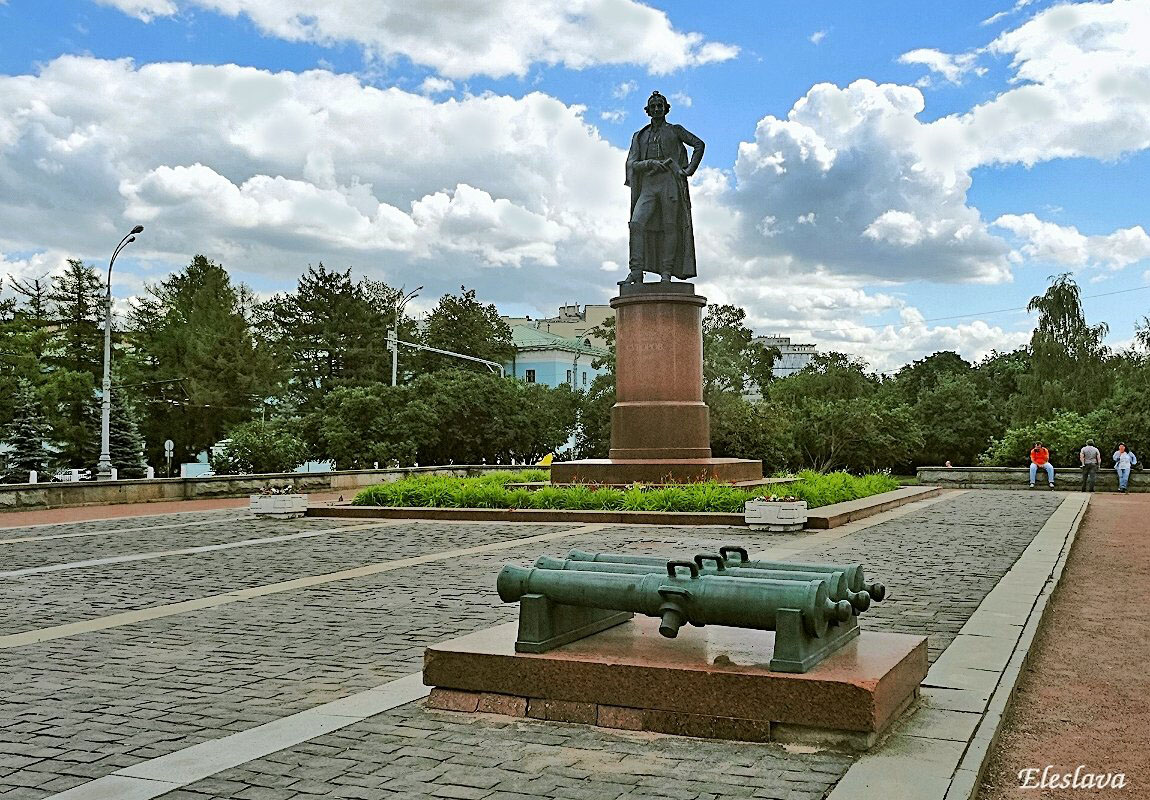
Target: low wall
x=1065, y=478
x=25, y=496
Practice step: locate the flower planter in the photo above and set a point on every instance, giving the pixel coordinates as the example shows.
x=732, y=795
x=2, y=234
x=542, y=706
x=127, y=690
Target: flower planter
x=765, y=515
x=279, y=506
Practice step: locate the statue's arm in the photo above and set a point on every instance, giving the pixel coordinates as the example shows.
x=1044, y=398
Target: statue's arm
x=697, y=147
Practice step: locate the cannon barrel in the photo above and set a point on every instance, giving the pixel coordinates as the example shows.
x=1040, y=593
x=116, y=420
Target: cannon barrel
x=855, y=575
x=699, y=599
x=837, y=588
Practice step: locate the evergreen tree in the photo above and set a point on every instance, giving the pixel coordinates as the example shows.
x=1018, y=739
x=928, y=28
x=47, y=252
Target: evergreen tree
x=125, y=444
x=200, y=369
x=77, y=307
x=331, y=332
x=461, y=324
x=26, y=436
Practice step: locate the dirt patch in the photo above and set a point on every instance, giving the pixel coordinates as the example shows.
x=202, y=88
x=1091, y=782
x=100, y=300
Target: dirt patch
x=1085, y=696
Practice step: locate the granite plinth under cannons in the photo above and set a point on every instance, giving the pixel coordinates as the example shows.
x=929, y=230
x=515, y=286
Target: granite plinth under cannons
x=710, y=682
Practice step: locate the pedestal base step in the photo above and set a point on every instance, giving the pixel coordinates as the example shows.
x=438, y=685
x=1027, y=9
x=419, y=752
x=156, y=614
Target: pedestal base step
x=665, y=470
x=709, y=682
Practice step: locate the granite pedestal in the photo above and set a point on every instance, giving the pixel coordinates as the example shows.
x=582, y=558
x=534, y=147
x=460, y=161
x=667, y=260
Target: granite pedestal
x=710, y=682
x=660, y=426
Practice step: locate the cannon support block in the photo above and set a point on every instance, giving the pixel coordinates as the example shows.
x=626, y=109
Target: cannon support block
x=545, y=625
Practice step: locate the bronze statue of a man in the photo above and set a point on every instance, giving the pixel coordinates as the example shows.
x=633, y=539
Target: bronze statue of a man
x=662, y=235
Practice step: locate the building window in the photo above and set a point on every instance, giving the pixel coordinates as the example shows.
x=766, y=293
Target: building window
x=584, y=377
x=529, y=376
x=570, y=378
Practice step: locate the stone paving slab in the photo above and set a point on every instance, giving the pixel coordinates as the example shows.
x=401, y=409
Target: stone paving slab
x=47, y=599
x=950, y=745
x=86, y=706
x=84, y=541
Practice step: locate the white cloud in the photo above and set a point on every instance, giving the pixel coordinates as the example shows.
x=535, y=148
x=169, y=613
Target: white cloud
x=615, y=116
x=850, y=157
x=436, y=85
x=37, y=265
x=951, y=67
x=458, y=40
x=681, y=99
x=624, y=89
x=818, y=36
x=268, y=172
x=1065, y=246
x=1082, y=75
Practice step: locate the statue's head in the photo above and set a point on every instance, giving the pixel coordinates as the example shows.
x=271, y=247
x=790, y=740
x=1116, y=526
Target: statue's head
x=657, y=105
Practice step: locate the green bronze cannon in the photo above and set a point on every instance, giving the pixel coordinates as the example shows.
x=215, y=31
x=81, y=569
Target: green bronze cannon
x=808, y=624
x=709, y=564
x=855, y=575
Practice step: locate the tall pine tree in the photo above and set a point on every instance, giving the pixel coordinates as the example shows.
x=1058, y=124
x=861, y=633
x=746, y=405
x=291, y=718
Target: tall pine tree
x=75, y=358
x=195, y=362
x=332, y=332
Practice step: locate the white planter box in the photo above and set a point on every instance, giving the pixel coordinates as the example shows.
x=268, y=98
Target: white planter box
x=763, y=515
x=279, y=506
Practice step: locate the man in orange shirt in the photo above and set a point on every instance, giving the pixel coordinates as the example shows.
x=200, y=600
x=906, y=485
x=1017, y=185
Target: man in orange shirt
x=1040, y=457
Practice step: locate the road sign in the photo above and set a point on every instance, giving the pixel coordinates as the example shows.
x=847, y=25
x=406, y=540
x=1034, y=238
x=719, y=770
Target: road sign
x=169, y=447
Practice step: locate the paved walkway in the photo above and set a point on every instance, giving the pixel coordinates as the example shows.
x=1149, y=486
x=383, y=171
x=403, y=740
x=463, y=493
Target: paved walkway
x=1085, y=695
x=125, y=641
x=58, y=516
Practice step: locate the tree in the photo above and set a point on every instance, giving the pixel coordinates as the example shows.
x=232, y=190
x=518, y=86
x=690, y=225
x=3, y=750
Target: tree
x=1069, y=362
x=27, y=436
x=913, y=379
x=861, y=434
x=956, y=421
x=593, y=434
x=461, y=324
x=258, y=447
x=732, y=360
x=763, y=431
x=195, y=363
x=77, y=306
x=830, y=376
x=444, y=417
x=125, y=443
x=331, y=332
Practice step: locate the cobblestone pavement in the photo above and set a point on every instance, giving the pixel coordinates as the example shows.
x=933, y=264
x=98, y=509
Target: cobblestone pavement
x=82, y=706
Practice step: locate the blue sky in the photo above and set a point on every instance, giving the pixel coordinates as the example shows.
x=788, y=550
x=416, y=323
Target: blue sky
x=870, y=167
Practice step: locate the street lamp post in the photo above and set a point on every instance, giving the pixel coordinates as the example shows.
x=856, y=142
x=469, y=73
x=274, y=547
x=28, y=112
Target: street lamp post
x=104, y=465
x=393, y=334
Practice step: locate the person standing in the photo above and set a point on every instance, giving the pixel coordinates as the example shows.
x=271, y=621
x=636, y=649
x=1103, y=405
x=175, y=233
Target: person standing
x=1040, y=457
x=1091, y=459
x=1123, y=461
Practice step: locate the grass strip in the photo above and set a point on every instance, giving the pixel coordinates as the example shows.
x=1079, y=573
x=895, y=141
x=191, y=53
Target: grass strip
x=490, y=491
